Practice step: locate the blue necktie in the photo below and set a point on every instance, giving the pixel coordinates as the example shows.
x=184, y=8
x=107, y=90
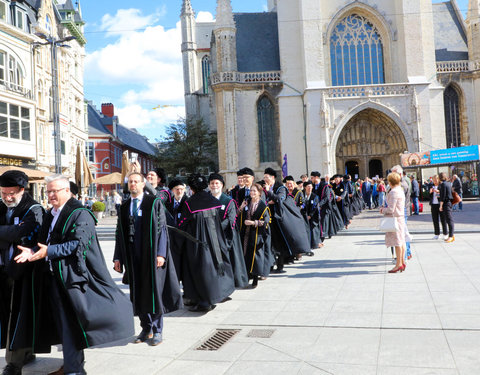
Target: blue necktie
x=247, y=192
x=135, y=208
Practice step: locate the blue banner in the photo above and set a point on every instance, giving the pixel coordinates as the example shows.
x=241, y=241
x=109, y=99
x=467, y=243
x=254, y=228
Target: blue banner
x=455, y=155
x=285, y=166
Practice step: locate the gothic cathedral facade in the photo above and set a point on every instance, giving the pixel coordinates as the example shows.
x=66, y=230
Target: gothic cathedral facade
x=333, y=85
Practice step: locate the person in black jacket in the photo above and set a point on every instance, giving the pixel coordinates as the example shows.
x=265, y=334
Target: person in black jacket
x=20, y=221
x=457, y=186
x=435, y=207
x=446, y=206
x=415, y=194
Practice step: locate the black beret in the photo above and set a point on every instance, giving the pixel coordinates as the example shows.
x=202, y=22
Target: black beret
x=248, y=171
x=347, y=177
x=14, y=178
x=174, y=183
x=271, y=172
x=240, y=172
x=315, y=174
x=73, y=188
x=161, y=174
x=300, y=182
x=337, y=176
x=216, y=176
x=197, y=182
x=288, y=178
x=306, y=183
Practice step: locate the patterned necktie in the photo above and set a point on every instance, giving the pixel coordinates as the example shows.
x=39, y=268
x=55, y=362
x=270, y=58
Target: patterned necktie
x=175, y=205
x=247, y=192
x=135, y=208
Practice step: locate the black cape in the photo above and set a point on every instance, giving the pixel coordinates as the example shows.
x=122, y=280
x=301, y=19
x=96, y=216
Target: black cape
x=228, y=213
x=207, y=271
x=311, y=210
x=152, y=289
x=288, y=226
x=16, y=312
x=99, y=311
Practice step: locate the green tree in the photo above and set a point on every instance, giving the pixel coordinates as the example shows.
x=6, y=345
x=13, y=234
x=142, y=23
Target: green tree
x=190, y=145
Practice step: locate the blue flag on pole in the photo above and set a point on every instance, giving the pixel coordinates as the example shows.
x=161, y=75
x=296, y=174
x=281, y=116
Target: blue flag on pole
x=285, y=166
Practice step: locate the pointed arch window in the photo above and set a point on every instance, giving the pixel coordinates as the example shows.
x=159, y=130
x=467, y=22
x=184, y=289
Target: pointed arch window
x=266, y=130
x=356, y=53
x=451, y=103
x=205, y=73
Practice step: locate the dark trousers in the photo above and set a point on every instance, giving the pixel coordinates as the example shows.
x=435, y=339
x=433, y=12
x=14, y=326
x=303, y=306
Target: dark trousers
x=436, y=220
x=151, y=322
x=72, y=357
x=447, y=219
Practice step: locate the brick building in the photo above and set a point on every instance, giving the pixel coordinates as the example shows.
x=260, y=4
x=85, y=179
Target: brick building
x=107, y=140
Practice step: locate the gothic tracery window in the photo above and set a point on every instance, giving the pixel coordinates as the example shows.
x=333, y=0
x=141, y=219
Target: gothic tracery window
x=356, y=52
x=266, y=130
x=452, y=117
x=205, y=73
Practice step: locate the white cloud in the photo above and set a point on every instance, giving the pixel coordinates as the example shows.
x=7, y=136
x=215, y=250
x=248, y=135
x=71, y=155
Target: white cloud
x=126, y=20
x=205, y=17
x=136, y=116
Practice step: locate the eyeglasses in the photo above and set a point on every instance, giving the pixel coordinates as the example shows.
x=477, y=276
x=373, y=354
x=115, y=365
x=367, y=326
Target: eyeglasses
x=12, y=194
x=54, y=191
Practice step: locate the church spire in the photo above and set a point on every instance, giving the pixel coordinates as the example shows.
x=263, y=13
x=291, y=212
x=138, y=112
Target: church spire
x=224, y=14
x=187, y=8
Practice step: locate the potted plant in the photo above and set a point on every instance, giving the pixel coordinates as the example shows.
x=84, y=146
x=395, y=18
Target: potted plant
x=98, y=208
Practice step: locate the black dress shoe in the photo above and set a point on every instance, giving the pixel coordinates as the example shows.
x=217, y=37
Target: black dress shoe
x=11, y=369
x=202, y=308
x=156, y=339
x=143, y=336
x=310, y=254
x=281, y=270
x=189, y=302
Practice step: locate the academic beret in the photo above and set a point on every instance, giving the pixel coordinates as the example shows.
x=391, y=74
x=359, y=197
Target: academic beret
x=271, y=172
x=216, y=176
x=315, y=174
x=14, y=178
x=197, y=182
x=288, y=178
x=337, y=176
x=347, y=177
x=300, y=182
x=248, y=171
x=240, y=172
x=161, y=174
x=73, y=188
x=306, y=183
x=174, y=183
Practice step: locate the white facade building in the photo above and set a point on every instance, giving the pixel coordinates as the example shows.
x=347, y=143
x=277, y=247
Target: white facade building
x=334, y=85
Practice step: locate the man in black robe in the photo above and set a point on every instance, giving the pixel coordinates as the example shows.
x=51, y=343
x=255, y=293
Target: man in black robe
x=142, y=247
x=228, y=214
x=20, y=220
x=175, y=207
x=86, y=306
x=248, y=178
x=289, y=237
x=341, y=198
x=207, y=272
x=157, y=179
x=317, y=183
x=235, y=190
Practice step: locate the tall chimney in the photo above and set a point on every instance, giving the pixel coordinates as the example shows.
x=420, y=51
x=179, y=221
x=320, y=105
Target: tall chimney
x=108, y=109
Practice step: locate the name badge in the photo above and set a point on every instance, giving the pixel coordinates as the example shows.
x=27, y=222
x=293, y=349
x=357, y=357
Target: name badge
x=246, y=208
x=223, y=206
x=16, y=220
x=179, y=214
x=311, y=202
x=139, y=213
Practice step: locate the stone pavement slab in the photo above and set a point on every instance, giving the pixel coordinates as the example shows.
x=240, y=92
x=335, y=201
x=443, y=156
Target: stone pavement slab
x=338, y=312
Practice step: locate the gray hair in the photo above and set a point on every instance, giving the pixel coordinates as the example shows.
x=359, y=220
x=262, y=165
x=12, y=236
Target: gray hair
x=58, y=177
x=398, y=169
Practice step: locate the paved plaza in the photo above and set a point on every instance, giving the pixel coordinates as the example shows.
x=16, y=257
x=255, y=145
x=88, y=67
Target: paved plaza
x=338, y=312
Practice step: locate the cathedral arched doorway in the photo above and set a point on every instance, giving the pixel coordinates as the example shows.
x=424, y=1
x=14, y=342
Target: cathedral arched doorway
x=372, y=140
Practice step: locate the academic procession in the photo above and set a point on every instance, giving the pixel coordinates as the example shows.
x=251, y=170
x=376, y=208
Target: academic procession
x=173, y=250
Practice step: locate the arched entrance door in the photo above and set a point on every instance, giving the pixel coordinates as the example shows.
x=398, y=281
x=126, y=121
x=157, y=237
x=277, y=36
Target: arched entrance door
x=352, y=169
x=374, y=140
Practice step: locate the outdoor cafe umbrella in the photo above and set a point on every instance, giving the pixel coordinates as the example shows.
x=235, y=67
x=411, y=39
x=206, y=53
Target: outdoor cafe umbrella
x=33, y=174
x=109, y=179
x=82, y=170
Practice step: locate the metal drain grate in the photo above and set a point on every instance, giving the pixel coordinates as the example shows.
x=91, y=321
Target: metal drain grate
x=218, y=339
x=261, y=333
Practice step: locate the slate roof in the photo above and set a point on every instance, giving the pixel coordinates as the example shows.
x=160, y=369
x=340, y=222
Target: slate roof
x=130, y=137
x=257, y=42
x=449, y=34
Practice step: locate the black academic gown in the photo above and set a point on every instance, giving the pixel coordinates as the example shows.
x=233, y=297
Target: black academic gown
x=258, y=255
x=311, y=209
x=288, y=226
x=299, y=199
x=98, y=311
x=229, y=213
x=176, y=239
x=207, y=271
x=16, y=314
x=152, y=290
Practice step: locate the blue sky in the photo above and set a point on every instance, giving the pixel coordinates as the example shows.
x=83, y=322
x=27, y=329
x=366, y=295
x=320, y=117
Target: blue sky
x=134, y=61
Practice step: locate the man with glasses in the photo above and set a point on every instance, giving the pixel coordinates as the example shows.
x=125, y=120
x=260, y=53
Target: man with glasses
x=20, y=221
x=86, y=306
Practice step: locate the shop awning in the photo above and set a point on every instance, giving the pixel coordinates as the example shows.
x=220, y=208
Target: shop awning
x=33, y=174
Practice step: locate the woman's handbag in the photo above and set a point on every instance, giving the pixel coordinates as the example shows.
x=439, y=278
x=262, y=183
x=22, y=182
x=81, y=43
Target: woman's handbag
x=456, y=198
x=388, y=224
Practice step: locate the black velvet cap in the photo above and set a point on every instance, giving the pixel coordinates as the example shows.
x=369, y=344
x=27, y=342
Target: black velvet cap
x=288, y=178
x=14, y=178
x=271, y=172
x=174, y=183
x=315, y=174
x=216, y=176
x=306, y=183
x=248, y=171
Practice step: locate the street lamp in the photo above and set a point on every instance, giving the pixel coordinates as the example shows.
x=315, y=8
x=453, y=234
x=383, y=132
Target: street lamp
x=54, y=44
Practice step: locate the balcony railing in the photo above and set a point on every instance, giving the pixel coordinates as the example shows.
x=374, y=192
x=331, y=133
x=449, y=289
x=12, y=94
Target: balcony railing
x=238, y=77
x=11, y=87
x=367, y=90
x=457, y=66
